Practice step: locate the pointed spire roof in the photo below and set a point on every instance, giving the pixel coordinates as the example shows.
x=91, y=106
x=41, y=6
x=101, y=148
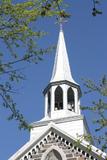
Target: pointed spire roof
x=61, y=69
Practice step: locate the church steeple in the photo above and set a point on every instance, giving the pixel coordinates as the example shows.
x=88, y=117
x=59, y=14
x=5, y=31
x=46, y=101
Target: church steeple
x=61, y=69
x=56, y=135
x=62, y=95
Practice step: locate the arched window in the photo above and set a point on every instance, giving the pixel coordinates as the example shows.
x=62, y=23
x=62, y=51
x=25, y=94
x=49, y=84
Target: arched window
x=70, y=99
x=49, y=102
x=53, y=155
x=58, y=98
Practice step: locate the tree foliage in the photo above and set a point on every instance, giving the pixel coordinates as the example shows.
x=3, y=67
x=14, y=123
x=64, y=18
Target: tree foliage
x=99, y=107
x=16, y=32
x=96, y=11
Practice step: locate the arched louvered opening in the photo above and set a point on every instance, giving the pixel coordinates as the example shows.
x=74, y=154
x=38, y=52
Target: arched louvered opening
x=49, y=102
x=58, y=98
x=70, y=99
x=54, y=155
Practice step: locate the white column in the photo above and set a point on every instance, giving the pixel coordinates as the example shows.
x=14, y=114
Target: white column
x=65, y=107
x=46, y=104
x=76, y=100
x=53, y=98
x=79, y=110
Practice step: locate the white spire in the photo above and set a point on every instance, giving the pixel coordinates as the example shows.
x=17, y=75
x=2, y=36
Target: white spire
x=61, y=69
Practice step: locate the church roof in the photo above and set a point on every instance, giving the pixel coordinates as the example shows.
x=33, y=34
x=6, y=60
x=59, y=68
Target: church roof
x=49, y=135
x=61, y=69
x=53, y=137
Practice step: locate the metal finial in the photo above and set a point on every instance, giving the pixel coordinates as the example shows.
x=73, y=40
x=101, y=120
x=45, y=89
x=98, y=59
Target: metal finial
x=60, y=21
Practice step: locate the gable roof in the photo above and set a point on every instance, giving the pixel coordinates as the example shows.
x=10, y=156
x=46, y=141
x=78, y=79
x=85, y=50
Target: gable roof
x=52, y=129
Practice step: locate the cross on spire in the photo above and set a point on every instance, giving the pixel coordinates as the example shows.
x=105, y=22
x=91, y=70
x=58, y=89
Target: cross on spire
x=60, y=21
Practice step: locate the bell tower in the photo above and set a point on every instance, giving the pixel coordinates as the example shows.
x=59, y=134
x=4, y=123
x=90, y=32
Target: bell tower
x=62, y=95
x=60, y=134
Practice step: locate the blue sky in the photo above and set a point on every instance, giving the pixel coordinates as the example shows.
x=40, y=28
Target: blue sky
x=86, y=41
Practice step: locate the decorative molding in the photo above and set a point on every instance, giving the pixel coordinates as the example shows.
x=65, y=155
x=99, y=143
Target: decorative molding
x=62, y=82
x=54, y=136
x=53, y=147
x=57, y=121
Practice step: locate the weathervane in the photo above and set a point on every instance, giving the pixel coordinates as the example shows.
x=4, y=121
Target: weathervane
x=60, y=21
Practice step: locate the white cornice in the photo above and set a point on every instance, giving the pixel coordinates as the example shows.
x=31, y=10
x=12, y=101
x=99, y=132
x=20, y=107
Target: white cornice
x=52, y=127
x=45, y=121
